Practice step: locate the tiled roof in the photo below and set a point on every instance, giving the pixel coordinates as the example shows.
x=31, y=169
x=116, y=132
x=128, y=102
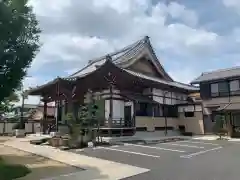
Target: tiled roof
x=118, y=57
x=218, y=74
x=170, y=83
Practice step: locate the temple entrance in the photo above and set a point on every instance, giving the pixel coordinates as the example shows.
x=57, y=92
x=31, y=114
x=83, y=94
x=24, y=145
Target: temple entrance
x=127, y=116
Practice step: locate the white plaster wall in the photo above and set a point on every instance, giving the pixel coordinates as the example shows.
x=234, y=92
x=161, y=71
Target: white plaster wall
x=118, y=109
x=28, y=127
x=107, y=109
x=7, y=127
x=1, y=128
x=37, y=127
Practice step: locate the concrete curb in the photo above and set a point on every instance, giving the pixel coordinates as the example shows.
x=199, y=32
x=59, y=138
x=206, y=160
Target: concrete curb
x=94, y=168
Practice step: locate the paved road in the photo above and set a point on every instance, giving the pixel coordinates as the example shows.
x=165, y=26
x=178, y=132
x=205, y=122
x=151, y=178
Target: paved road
x=183, y=160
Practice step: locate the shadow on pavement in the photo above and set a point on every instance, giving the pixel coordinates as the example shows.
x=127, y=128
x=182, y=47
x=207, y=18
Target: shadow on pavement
x=43, y=168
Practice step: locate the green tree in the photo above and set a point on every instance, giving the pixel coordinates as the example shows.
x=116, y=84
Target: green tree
x=7, y=104
x=218, y=127
x=19, y=43
x=82, y=124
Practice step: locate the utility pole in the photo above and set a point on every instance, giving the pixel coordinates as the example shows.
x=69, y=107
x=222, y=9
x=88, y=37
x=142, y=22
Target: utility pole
x=164, y=112
x=24, y=96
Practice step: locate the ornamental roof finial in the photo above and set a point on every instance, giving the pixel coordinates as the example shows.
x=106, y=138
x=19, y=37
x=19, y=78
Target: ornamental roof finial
x=108, y=58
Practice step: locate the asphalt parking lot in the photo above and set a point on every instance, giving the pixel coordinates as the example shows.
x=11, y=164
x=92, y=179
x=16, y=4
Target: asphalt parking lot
x=181, y=160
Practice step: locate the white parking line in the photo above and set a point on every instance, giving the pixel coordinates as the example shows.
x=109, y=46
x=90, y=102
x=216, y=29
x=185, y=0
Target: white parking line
x=199, y=142
x=153, y=147
x=185, y=145
x=130, y=152
x=200, y=152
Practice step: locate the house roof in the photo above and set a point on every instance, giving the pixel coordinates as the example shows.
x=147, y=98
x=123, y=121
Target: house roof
x=123, y=56
x=218, y=74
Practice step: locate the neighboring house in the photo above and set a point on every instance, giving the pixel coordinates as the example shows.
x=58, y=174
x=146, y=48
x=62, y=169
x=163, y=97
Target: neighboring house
x=26, y=108
x=133, y=92
x=220, y=93
x=33, y=112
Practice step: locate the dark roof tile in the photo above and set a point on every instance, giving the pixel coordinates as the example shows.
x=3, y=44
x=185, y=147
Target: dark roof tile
x=218, y=74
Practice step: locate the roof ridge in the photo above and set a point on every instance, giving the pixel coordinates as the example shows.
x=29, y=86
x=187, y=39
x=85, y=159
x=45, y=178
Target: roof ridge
x=221, y=70
x=142, y=42
x=126, y=48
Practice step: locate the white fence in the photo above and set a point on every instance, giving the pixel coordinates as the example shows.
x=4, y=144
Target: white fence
x=30, y=127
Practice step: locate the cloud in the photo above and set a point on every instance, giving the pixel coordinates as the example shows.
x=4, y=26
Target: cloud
x=72, y=49
x=180, y=12
x=184, y=75
x=233, y=4
x=75, y=31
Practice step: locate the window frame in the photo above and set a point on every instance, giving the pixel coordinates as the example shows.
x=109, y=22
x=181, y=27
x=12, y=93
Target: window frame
x=220, y=92
x=235, y=92
x=223, y=92
x=214, y=94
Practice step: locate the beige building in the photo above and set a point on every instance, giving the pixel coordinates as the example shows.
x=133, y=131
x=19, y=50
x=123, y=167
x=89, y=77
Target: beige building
x=220, y=93
x=132, y=90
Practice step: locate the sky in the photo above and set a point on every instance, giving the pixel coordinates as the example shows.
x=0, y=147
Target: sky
x=188, y=36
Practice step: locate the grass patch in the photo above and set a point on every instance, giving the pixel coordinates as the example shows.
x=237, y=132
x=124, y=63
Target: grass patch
x=12, y=171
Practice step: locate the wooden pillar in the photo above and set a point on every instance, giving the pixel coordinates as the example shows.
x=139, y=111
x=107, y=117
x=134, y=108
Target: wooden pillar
x=57, y=104
x=134, y=113
x=110, y=110
x=44, y=120
x=230, y=127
